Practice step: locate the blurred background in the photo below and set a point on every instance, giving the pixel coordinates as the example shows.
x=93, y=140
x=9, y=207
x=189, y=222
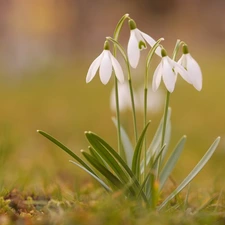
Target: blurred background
x=46, y=47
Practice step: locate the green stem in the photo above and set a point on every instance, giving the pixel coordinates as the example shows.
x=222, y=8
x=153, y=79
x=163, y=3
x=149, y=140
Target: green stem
x=116, y=36
x=129, y=82
x=165, y=118
x=149, y=58
x=118, y=116
x=176, y=49
x=133, y=110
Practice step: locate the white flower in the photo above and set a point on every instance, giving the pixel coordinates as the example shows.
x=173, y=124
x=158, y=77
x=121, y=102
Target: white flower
x=192, y=68
x=168, y=70
x=106, y=62
x=137, y=43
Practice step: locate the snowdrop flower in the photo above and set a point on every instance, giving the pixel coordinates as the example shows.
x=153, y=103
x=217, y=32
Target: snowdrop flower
x=192, y=68
x=168, y=70
x=137, y=43
x=106, y=62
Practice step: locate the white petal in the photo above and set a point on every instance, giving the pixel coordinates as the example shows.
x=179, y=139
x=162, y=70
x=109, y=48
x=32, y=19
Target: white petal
x=139, y=38
x=151, y=42
x=117, y=68
x=169, y=77
x=182, y=71
x=183, y=61
x=105, y=70
x=133, y=51
x=93, y=68
x=195, y=72
x=157, y=77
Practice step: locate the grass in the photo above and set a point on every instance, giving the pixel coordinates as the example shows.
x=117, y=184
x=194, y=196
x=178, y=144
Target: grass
x=39, y=186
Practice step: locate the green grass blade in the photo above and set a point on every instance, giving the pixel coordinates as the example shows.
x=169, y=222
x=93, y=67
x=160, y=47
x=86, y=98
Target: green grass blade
x=104, y=171
x=108, y=158
x=193, y=173
x=137, y=153
x=127, y=146
x=169, y=166
x=67, y=150
x=95, y=177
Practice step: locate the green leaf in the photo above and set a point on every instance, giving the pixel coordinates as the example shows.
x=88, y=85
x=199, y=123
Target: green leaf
x=95, y=177
x=169, y=166
x=193, y=173
x=122, y=163
x=97, y=156
x=137, y=153
x=153, y=165
x=108, y=158
x=104, y=171
x=155, y=145
x=127, y=146
x=67, y=150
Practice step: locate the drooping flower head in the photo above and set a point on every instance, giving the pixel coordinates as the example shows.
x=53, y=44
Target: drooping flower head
x=168, y=70
x=106, y=63
x=137, y=42
x=192, y=67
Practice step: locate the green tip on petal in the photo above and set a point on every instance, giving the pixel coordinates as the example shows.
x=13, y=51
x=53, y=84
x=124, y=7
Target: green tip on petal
x=106, y=45
x=163, y=52
x=132, y=24
x=185, y=49
x=141, y=45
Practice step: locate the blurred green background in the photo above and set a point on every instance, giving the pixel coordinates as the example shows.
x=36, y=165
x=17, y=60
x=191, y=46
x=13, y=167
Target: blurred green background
x=46, y=49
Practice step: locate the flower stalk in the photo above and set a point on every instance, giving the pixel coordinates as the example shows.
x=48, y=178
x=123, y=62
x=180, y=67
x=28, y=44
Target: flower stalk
x=176, y=49
x=116, y=37
x=148, y=61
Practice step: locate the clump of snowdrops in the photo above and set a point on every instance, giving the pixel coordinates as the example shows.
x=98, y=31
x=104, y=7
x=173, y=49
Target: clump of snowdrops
x=135, y=169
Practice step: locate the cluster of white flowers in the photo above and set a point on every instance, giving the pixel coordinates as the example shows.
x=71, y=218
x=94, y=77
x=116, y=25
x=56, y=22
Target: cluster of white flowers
x=167, y=69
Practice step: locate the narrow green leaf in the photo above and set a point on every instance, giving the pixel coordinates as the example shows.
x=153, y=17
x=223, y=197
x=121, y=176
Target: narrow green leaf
x=95, y=177
x=155, y=145
x=193, y=173
x=122, y=163
x=153, y=165
x=156, y=141
x=67, y=150
x=97, y=156
x=108, y=158
x=137, y=153
x=104, y=171
x=127, y=146
x=145, y=182
x=169, y=166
